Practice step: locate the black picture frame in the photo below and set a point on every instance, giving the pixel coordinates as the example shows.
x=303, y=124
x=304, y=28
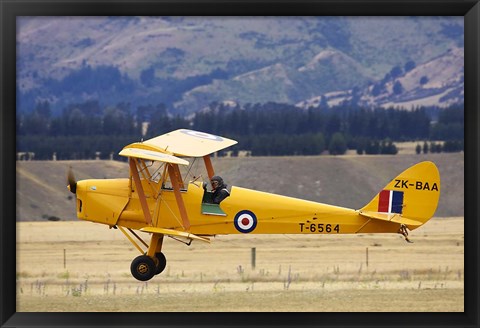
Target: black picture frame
x=11, y=9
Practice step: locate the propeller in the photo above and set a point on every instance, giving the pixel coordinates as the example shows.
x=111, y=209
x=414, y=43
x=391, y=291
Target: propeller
x=72, y=183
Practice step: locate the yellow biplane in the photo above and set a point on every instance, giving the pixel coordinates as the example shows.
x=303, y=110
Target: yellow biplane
x=156, y=199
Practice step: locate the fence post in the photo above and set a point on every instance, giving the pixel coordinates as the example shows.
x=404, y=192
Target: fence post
x=254, y=258
x=366, y=253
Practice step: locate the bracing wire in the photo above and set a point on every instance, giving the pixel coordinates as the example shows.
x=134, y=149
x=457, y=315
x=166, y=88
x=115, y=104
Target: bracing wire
x=157, y=172
x=190, y=168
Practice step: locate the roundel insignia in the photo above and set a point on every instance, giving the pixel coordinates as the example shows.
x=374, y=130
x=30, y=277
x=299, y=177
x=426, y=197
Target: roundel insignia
x=202, y=135
x=245, y=221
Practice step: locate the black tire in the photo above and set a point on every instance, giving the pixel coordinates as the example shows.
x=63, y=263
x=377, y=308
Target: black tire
x=162, y=262
x=143, y=268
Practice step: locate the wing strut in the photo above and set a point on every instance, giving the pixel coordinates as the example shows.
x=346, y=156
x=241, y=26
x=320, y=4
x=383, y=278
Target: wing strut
x=141, y=193
x=134, y=243
x=209, y=166
x=175, y=178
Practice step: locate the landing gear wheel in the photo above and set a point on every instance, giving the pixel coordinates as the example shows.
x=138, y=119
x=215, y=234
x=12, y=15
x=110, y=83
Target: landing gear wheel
x=161, y=263
x=143, y=268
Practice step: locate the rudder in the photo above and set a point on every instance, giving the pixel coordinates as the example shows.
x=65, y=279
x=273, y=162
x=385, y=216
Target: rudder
x=410, y=198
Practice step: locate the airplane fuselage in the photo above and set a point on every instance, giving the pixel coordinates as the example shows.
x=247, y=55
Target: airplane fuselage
x=115, y=202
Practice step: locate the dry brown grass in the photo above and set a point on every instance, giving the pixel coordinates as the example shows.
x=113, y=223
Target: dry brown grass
x=314, y=273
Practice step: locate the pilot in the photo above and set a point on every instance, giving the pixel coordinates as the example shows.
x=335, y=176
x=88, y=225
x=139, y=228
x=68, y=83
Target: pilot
x=219, y=189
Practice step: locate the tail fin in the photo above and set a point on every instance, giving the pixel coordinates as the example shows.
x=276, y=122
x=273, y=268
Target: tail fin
x=410, y=199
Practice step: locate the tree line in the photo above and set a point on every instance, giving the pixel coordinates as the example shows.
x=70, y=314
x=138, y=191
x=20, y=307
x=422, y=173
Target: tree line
x=273, y=129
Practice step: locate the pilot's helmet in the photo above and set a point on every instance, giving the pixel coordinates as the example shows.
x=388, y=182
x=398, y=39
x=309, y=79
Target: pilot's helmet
x=218, y=179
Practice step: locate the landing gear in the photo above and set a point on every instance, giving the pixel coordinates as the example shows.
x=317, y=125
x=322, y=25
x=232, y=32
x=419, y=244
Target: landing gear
x=143, y=268
x=404, y=232
x=152, y=261
x=161, y=262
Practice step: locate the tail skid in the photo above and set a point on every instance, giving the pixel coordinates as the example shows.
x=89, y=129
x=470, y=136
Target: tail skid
x=410, y=199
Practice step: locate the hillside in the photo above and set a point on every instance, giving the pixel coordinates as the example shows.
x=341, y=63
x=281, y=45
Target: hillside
x=348, y=180
x=436, y=82
x=189, y=62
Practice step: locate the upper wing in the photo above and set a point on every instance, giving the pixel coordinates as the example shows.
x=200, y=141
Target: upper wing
x=187, y=143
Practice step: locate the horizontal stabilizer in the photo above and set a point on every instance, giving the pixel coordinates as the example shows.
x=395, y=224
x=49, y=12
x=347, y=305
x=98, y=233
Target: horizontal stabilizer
x=175, y=233
x=152, y=155
x=391, y=217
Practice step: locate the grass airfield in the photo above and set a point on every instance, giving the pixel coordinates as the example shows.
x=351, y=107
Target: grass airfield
x=74, y=266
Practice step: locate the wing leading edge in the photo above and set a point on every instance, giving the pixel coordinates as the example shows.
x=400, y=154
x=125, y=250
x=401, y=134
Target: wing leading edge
x=151, y=155
x=175, y=233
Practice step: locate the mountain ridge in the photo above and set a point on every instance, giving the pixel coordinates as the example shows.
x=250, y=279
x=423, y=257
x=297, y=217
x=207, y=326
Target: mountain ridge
x=189, y=62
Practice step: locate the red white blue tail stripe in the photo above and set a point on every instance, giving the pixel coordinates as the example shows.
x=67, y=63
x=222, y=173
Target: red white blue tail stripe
x=390, y=201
